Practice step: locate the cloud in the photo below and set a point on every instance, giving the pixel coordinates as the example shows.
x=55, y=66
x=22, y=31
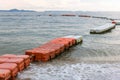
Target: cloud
x=54, y=4
x=41, y=5
x=8, y=4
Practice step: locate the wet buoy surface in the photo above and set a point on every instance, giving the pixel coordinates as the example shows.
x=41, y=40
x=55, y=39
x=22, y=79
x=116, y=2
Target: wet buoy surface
x=53, y=48
x=11, y=64
x=102, y=29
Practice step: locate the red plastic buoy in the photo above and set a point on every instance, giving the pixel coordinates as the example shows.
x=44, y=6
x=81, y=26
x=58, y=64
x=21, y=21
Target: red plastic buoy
x=113, y=22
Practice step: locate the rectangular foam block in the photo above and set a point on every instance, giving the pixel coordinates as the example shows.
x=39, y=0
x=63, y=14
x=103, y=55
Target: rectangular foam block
x=3, y=60
x=5, y=74
x=53, y=48
x=10, y=66
x=61, y=41
x=18, y=61
x=25, y=57
x=46, y=51
x=9, y=55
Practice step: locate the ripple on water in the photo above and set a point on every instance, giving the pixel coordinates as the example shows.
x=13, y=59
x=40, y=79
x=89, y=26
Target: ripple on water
x=79, y=71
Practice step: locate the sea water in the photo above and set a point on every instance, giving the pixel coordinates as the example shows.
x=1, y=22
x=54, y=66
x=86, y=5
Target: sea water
x=97, y=57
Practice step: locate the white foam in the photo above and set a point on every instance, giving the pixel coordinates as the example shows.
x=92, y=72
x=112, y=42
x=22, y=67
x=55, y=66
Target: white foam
x=79, y=71
x=76, y=37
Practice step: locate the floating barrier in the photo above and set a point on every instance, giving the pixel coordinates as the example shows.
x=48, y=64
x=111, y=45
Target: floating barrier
x=102, y=29
x=46, y=51
x=18, y=61
x=5, y=74
x=50, y=14
x=68, y=15
x=117, y=22
x=53, y=48
x=84, y=16
x=26, y=58
x=101, y=17
x=10, y=66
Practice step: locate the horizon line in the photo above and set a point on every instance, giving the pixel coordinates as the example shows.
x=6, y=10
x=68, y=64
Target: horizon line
x=61, y=10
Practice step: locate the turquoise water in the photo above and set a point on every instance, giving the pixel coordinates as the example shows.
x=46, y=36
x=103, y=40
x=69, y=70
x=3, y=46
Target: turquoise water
x=22, y=31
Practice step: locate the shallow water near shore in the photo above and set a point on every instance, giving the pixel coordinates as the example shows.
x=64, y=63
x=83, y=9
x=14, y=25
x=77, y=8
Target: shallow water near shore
x=79, y=71
x=98, y=56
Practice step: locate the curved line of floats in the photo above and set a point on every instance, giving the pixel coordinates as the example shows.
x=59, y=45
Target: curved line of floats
x=11, y=64
x=87, y=16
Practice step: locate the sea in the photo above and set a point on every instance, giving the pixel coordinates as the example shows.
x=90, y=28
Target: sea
x=96, y=58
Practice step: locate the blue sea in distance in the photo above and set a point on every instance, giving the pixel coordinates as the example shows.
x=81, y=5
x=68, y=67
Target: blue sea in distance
x=97, y=57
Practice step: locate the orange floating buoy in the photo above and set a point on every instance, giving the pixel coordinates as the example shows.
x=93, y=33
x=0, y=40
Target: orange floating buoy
x=113, y=22
x=31, y=53
x=5, y=74
x=25, y=57
x=18, y=61
x=61, y=41
x=9, y=55
x=70, y=40
x=3, y=60
x=52, y=52
x=62, y=48
x=50, y=49
x=53, y=48
x=35, y=53
x=45, y=52
x=10, y=66
x=44, y=55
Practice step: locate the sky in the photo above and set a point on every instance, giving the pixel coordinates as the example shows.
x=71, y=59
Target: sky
x=67, y=5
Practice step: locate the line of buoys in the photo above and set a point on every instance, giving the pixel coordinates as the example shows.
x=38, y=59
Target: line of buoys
x=68, y=15
x=53, y=48
x=11, y=64
x=101, y=17
x=102, y=29
x=84, y=16
x=115, y=21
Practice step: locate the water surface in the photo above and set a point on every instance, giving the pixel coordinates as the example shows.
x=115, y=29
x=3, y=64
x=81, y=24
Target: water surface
x=97, y=57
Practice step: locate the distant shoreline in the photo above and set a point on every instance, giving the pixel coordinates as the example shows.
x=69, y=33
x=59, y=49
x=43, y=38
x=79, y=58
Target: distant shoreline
x=51, y=11
x=16, y=10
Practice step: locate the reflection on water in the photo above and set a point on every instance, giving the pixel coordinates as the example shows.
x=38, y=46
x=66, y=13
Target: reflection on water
x=19, y=33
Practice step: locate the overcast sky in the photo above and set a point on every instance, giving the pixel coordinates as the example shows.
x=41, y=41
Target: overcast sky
x=74, y=5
